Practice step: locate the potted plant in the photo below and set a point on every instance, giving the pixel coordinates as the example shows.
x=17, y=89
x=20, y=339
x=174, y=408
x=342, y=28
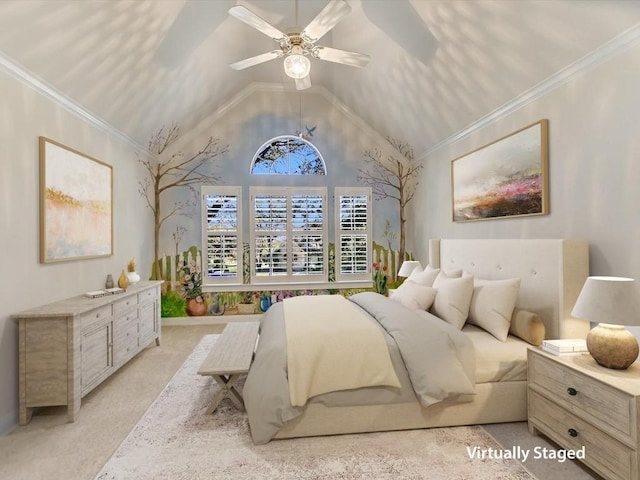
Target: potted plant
x=245, y=303
x=192, y=287
x=380, y=279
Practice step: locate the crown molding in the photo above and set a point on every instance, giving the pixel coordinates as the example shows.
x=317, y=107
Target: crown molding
x=600, y=55
x=24, y=76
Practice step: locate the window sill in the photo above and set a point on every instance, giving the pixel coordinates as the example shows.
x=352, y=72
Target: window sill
x=286, y=286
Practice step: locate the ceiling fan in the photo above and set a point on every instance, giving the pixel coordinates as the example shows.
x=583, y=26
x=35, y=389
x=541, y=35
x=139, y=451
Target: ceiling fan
x=298, y=47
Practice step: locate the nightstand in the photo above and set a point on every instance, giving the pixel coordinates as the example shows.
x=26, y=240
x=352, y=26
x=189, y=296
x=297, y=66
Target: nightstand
x=576, y=402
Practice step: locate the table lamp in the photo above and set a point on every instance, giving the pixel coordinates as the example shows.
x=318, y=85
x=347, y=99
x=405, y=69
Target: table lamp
x=408, y=266
x=612, y=302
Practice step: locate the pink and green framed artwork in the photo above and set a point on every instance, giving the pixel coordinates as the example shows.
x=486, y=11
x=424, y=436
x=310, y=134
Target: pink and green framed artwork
x=505, y=178
x=76, y=204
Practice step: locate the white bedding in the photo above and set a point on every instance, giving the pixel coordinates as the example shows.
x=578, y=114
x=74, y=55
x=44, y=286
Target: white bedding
x=497, y=361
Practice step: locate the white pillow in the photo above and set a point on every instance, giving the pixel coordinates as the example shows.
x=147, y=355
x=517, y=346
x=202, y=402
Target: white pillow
x=457, y=273
x=453, y=298
x=414, y=296
x=492, y=305
x=425, y=277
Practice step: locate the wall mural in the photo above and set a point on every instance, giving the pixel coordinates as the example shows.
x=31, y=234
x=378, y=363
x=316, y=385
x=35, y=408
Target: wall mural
x=392, y=180
x=167, y=172
x=182, y=293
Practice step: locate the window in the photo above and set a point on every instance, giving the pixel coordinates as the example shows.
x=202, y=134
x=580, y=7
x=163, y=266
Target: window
x=288, y=155
x=288, y=235
x=222, y=234
x=353, y=233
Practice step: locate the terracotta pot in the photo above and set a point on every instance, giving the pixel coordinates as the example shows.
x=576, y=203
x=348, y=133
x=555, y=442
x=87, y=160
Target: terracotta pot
x=195, y=308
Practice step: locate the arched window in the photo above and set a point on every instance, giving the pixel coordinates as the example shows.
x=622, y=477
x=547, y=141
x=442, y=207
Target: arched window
x=288, y=155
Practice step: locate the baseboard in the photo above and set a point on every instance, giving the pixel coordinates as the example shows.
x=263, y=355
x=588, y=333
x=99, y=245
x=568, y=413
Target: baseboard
x=208, y=320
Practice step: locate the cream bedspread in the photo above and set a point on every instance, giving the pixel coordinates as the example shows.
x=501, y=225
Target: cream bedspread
x=331, y=346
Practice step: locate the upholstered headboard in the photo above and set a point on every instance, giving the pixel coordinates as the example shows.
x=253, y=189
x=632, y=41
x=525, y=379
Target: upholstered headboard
x=551, y=273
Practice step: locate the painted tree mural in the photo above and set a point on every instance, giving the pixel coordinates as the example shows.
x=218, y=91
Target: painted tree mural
x=391, y=177
x=165, y=172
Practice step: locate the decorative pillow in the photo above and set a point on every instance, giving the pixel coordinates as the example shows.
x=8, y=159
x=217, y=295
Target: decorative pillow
x=413, y=295
x=492, y=305
x=456, y=273
x=453, y=298
x=527, y=326
x=425, y=277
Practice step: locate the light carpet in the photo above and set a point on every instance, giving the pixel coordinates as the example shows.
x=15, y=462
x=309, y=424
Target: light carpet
x=176, y=439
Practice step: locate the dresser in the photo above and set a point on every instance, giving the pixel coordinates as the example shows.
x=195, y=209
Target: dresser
x=576, y=402
x=69, y=347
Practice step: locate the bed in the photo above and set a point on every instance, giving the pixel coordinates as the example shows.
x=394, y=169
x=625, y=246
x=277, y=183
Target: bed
x=551, y=273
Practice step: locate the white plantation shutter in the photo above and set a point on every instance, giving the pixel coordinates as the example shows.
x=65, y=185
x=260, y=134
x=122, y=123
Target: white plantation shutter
x=289, y=234
x=309, y=238
x=222, y=235
x=353, y=233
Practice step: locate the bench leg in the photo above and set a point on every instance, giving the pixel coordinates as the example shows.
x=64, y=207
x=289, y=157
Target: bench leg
x=227, y=388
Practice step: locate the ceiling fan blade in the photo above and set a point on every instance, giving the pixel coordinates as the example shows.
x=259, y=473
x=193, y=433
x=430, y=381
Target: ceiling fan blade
x=330, y=15
x=251, y=61
x=352, y=59
x=247, y=16
x=303, y=83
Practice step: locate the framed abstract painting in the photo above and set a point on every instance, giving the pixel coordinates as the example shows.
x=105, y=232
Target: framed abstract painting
x=505, y=178
x=76, y=204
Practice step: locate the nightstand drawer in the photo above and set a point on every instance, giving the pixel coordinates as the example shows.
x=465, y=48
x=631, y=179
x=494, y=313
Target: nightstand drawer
x=603, y=453
x=584, y=396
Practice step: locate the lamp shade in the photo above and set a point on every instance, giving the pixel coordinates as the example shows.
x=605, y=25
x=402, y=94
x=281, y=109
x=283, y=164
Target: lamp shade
x=408, y=266
x=611, y=300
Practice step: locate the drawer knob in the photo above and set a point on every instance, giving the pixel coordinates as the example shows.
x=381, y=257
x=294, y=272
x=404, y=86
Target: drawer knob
x=572, y=391
x=573, y=432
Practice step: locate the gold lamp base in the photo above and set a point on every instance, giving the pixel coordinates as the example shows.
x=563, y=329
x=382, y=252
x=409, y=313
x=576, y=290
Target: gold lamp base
x=612, y=346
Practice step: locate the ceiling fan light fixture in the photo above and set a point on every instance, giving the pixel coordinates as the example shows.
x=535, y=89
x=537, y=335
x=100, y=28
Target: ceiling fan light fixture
x=297, y=66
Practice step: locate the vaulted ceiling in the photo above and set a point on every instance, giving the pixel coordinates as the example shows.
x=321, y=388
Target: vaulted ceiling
x=436, y=66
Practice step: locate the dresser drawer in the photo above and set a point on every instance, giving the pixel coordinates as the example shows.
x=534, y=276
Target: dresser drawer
x=148, y=295
x=584, y=396
x=603, y=453
x=126, y=344
x=97, y=315
x=125, y=304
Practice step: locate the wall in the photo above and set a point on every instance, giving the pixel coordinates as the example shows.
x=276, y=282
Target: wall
x=594, y=169
x=25, y=114
x=265, y=112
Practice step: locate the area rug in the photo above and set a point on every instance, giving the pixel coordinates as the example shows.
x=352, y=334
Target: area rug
x=176, y=439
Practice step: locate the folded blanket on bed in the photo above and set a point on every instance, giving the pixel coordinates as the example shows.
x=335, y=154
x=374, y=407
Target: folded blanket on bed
x=331, y=346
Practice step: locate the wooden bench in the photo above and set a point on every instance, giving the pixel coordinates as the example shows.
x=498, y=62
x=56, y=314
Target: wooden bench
x=230, y=358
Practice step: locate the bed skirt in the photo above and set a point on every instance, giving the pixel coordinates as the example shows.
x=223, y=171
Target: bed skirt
x=494, y=403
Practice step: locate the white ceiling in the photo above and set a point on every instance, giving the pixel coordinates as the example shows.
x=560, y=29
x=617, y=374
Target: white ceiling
x=436, y=66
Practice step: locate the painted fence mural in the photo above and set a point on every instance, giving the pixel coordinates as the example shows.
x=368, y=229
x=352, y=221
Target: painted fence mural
x=182, y=293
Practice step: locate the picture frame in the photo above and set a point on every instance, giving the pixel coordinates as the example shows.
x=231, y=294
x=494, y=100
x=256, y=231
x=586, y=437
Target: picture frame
x=505, y=178
x=76, y=204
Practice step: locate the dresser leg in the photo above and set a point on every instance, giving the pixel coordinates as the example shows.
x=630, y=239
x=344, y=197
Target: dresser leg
x=73, y=409
x=25, y=415
x=532, y=429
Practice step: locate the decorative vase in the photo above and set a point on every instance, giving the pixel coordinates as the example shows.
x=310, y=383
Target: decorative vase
x=214, y=306
x=109, y=283
x=123, y=281
x=196, y=308
x=265, y=303
x=133, y=277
